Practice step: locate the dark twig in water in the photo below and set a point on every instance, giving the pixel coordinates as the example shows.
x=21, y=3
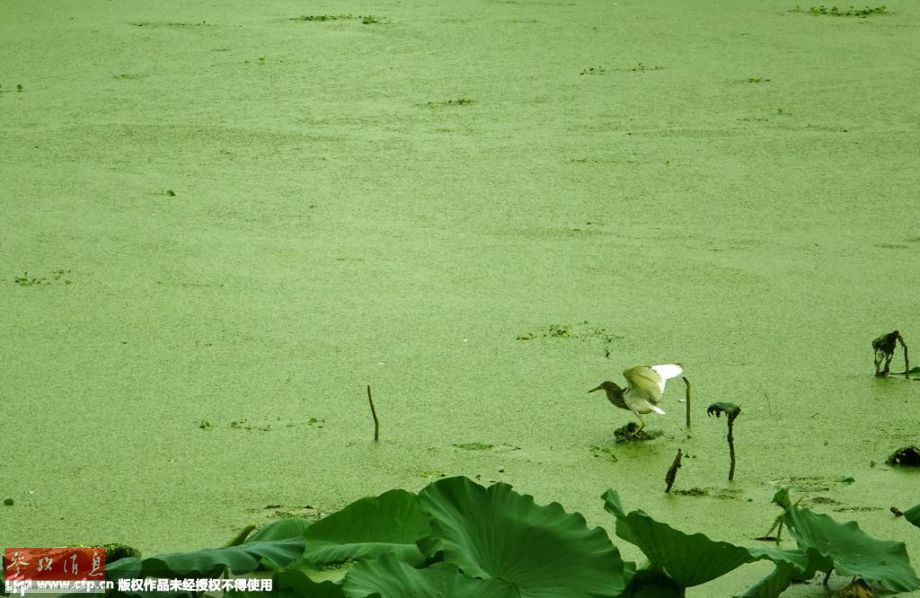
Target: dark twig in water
x=370, y=400
x=884, y=347
x=731, y=411
x=687, y=394
x=672, y=471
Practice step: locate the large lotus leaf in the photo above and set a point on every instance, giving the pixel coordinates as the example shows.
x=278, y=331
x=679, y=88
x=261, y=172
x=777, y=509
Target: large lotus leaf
x=277, y=545
x=852, y=551
x=283, y=529
x=773, y=584
x=243, y=558
x=291, y=527
x=123, y=568
x=126, y=568
x=541, y=551
x=294, y=583
x=795, y=558
x=388, y=576
x=652, y=584
x=367, y=528
x=695, y=559
x=130, y=568
x=688, y=559
x=913, y=515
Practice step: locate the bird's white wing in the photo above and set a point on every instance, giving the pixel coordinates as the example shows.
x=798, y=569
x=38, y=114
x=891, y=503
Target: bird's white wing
x=668, y=371
x=648, y=382
x=645, y=383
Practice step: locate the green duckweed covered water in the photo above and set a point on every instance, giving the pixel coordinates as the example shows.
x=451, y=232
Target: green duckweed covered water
x=220, y=222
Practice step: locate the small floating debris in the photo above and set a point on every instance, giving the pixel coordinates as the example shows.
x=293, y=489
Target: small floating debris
x=884, y=347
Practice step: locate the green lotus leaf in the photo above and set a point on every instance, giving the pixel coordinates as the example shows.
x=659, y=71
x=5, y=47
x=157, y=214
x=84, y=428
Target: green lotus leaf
x=277, y=545
x=850, y=551
x=388, y=576
x=795, y=557
x=126, y=568
x=913, y=515
x=244, y=558
x=687, y=559
x=541, y=551
x=694, y=559
x=294, y=583
x=291, y=527
x=368, y=528
x=283, y=529
x=652, y=584
x=774, y=583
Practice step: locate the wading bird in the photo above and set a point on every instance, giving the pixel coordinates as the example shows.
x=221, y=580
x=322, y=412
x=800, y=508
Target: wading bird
x=644, y=387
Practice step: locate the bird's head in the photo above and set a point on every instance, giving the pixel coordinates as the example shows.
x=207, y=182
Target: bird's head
x=608, y=387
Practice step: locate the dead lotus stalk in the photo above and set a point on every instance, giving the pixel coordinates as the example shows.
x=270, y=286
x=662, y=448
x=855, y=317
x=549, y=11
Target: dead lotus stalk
x=731, y=411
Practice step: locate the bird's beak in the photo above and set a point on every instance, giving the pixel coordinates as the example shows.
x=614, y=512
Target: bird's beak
x=593, y=389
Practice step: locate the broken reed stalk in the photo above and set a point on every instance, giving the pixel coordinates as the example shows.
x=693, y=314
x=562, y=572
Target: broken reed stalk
x=731, y=444
x=687, y=394
x=370, y=400
x=672, y=471
x=906, y=361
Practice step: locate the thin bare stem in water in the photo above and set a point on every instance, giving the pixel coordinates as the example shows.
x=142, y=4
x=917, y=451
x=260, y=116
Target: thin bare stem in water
x=687, y=394
x=370, y=400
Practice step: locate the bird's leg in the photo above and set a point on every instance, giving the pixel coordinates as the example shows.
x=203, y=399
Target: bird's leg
x=635, y=433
